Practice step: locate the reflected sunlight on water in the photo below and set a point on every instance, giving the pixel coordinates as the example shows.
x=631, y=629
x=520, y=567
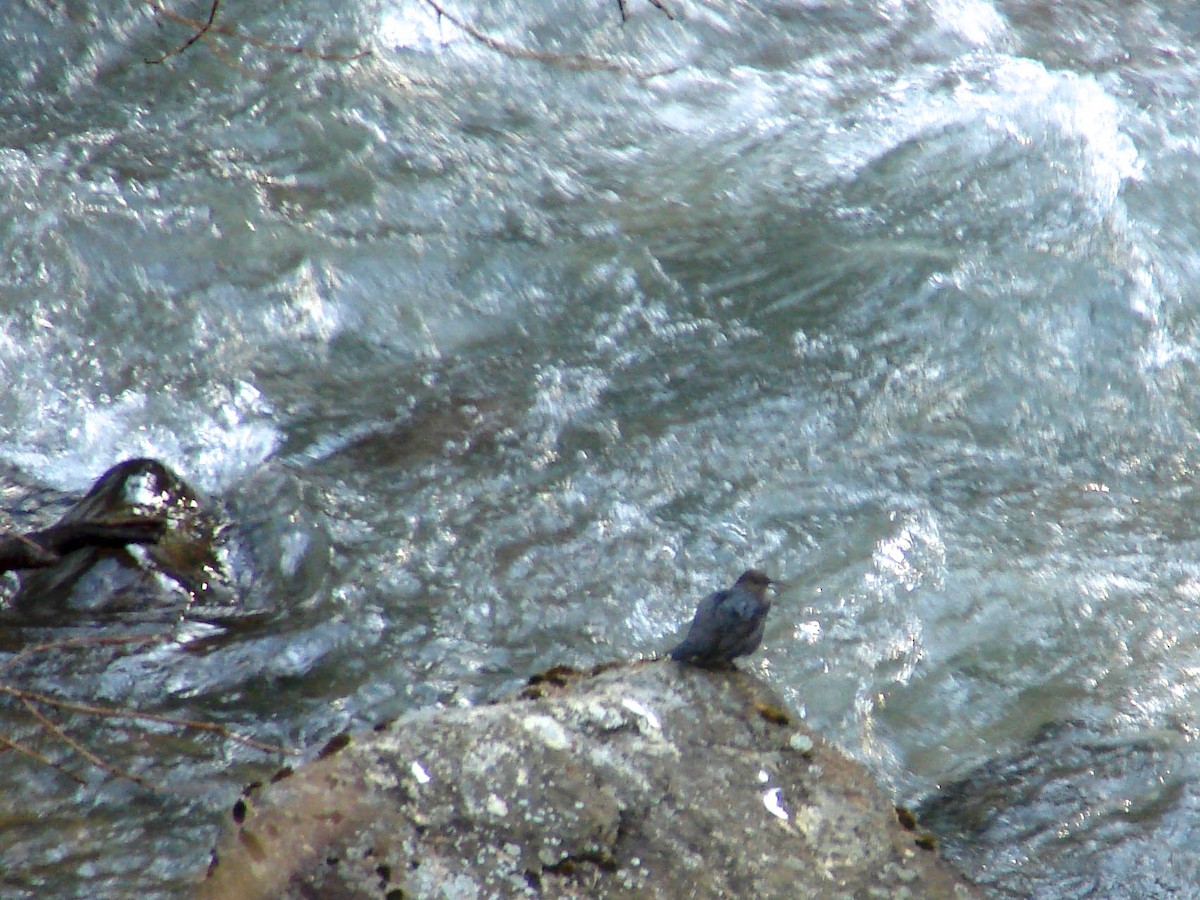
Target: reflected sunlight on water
x=503, y=363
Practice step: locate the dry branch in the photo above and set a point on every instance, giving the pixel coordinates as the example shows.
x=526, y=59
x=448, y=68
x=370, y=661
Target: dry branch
x=573, y=61
x=36, y=704
x=90, y=641
x=39, y=757
x=657, y=4
x=39, y=549
x=202, y=28
x=57, y=730
x=116, y=712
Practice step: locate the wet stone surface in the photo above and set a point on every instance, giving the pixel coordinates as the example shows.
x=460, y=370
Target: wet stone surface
x=617, y=783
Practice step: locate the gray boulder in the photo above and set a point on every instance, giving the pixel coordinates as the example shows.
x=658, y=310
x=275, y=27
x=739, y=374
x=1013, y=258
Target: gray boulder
x=644, y=780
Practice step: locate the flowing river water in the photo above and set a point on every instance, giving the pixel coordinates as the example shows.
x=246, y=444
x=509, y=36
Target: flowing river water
x=500, y=347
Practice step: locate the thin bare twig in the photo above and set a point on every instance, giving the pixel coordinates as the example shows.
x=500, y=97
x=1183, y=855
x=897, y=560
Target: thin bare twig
x=36, y=550
x=202, y=29
x=90, y=641
x=223, y=55
x=657, y=4
x=40, y=757
x=196, y=35
x=32, y=700
x=572, y=61
x=113, y=712
x=56, y=729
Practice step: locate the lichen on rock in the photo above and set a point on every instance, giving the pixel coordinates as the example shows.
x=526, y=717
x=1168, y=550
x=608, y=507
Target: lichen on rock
x=627, y=782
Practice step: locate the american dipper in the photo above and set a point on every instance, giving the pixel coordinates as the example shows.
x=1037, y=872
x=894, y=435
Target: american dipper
x=728, y=623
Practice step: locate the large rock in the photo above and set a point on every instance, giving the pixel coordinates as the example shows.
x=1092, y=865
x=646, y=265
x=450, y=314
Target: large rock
x=646, y=780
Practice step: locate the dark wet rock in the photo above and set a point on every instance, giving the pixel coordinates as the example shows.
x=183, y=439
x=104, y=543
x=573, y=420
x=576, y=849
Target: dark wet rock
x=181, y=566
x=646, y=780
x=1067, y=814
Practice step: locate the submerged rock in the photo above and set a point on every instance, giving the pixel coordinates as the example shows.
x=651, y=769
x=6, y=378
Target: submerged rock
x=182, y=570
x=1106, y=813
x=643, y=780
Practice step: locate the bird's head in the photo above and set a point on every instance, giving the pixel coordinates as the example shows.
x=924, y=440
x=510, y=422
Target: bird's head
x=753, y=578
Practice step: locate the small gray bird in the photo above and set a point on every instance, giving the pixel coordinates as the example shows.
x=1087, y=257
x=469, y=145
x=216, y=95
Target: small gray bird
x=728, y=623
